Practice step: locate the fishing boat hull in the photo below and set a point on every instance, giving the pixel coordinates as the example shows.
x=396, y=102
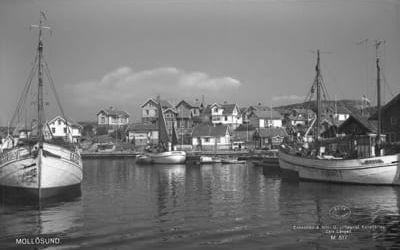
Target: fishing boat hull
x=46, y=172
x=209, y=160
x=382, y=170
x=169, y=157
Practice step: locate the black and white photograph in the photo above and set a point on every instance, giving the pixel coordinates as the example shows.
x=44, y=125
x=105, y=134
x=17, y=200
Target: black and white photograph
x=200, y=124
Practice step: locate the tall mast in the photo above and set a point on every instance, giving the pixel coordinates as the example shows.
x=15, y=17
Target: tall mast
x=40, y=106
x=317, y=81
x=378, y=92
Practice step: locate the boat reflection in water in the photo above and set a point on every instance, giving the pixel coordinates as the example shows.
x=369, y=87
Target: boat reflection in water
x=127, y=206
x=56, y=217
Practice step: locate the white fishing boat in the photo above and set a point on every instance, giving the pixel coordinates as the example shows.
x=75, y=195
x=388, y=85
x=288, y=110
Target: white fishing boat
x=35, y=162
x=168, y=157
x=209, y=159
x=372, y=168
x=164, y=153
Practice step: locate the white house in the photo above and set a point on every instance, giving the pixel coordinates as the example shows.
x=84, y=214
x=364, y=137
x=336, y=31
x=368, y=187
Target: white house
x=208, y=137
x=226, y=114
x=265, y=119
x=112, y=117
x=58, y=128
x=341, y=113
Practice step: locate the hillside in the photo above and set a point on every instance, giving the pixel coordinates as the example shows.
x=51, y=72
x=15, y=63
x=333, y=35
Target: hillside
x=351, y=105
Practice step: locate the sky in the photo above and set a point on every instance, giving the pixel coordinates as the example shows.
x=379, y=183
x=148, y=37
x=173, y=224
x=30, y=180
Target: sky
x=119, y=53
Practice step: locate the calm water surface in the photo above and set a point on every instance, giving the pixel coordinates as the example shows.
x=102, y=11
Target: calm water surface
x=125, y=206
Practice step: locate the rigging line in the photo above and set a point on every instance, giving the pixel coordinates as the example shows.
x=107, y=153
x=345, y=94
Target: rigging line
x=25, y=91
x=47, y=71
x=26, y=86
x=387, y=85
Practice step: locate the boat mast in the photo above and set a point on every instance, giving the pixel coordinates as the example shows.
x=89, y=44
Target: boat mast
x=378, y=92
x=40, y=106
x=317, y=82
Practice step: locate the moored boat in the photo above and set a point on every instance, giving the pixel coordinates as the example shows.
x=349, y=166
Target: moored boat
x=209, y=159
x=35, y=162
x=315, y=164
x=164, y=153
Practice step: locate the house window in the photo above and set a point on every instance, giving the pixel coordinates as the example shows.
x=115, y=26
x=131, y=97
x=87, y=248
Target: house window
x=207, y=139
x=103, y=120
x=53, y=130
x=59, y=122
x=215, y=110
x=147, y=112
x=226, y=118
x=392, y=120
x=65, y=130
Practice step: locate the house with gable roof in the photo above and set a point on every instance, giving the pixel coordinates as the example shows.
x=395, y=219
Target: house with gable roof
x=188, y=115
x=150, y=109
x=112, y=117
x=265, y=118
x=226, y=114
x=211, y=137
x=59, y=128
x=150, y=113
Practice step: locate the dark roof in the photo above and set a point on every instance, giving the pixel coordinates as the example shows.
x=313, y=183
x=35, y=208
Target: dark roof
x=164, y=103
x=245, y=127
x=267, y=114
x=187, y=103
x=228, y=108
x=205, y=130
x=392, y=102
x=272, y=132
x=369, y=125
x=114, y=112
x=141, y=127
x=342, y=109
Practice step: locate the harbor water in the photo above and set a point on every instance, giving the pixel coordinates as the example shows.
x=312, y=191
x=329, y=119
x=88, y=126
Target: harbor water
x=126, y=206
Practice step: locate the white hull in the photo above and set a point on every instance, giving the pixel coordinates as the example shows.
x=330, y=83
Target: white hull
x=382, y=170
x=209, y=160
x=51, y=168
x=169, y=157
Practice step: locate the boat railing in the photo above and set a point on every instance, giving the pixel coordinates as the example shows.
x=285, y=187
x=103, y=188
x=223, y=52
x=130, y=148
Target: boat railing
x=74, y=157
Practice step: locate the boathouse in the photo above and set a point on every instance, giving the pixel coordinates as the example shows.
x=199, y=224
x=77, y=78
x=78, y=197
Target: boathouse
x=270, y=137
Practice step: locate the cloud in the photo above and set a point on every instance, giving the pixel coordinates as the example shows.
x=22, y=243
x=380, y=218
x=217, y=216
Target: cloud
x=126, y=87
